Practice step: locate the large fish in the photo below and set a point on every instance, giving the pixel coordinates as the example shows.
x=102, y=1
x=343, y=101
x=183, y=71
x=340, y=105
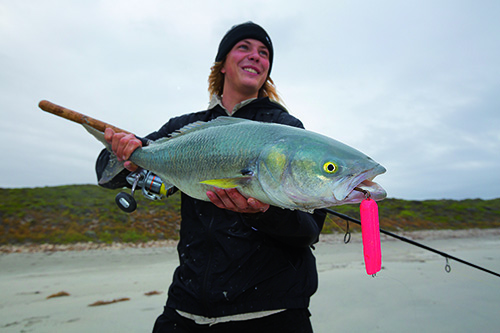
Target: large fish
x=280, y=165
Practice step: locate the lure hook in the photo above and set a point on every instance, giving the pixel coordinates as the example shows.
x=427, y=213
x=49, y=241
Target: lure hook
x=365, y=192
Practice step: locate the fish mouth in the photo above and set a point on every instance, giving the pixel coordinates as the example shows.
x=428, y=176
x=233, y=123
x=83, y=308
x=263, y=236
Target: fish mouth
x=367, y=188
x=358, y=188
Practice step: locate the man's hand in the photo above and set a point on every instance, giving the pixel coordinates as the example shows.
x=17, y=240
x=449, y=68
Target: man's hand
x=233, y=200
x=123, y=145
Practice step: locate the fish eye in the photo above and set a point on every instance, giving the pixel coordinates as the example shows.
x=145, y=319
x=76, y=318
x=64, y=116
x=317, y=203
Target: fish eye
x=330, y=167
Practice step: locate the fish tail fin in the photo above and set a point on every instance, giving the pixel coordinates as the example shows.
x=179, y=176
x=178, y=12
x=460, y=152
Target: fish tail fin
x=114, y=166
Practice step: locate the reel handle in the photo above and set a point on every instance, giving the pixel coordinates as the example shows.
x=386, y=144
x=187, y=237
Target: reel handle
x=126, y=202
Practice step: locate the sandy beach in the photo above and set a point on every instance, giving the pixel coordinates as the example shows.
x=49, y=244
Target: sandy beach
x=412, y=293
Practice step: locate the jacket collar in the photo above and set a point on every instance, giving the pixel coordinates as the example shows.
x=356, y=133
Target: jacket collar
x=217, y=100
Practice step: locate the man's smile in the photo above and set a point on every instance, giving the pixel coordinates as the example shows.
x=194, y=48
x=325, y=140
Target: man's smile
x=251, y=70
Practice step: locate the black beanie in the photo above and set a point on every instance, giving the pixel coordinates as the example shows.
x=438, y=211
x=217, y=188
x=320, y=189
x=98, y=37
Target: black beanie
x=243, y=31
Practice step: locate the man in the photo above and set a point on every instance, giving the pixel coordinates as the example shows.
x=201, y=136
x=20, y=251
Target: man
x=245, y=266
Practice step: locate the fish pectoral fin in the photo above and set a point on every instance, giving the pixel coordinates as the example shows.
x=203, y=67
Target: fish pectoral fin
x=228, y=182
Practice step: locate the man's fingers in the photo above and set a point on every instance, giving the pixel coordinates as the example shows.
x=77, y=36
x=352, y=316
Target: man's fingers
x=130, y=147
x=225, y=199
x=123, y=145
x=257, y=205
x=108, y=134
x=214, y=198
x=115, y=144
x=233, y=200
x=238, y=200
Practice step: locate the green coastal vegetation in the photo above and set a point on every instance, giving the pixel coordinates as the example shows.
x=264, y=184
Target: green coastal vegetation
x=88, y=213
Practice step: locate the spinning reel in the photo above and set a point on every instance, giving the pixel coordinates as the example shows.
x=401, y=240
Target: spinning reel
x=151, y=185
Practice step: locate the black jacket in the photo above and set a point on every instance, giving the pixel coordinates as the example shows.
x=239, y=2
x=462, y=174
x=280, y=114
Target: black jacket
x=233, y=263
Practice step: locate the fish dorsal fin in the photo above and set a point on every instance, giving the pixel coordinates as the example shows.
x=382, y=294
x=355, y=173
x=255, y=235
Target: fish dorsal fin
x=199, y=125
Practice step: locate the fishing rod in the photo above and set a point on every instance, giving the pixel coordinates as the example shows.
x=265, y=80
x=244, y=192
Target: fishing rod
x=153, y=188
x=412, y=242
x=151, y=185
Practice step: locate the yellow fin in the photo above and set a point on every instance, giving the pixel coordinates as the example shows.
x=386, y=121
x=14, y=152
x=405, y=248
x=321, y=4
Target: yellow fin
x=227, y=182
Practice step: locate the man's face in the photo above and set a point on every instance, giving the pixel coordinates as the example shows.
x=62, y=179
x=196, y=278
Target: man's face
x=246, y=66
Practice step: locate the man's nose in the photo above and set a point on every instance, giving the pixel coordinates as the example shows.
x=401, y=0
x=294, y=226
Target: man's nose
x=254, y=56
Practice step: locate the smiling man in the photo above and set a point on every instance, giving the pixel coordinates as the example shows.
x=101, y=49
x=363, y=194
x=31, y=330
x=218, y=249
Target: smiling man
x=244, y=266
x=245, y=70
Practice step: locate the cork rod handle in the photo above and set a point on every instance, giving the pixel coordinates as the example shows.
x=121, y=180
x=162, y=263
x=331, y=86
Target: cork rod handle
x=77, y=117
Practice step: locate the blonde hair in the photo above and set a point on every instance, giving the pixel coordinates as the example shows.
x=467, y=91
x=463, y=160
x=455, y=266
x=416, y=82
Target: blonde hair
x=216, y=84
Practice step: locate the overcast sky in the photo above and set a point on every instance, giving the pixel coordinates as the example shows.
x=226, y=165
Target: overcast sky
x=413, y=84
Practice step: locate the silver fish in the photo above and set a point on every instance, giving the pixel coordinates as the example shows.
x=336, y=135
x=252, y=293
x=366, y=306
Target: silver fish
x=280, y=165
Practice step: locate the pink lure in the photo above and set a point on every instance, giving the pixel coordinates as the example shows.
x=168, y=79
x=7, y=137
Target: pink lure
x=370, y=232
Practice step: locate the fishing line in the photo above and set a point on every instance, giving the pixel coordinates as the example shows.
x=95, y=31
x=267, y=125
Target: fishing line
x=412, y=242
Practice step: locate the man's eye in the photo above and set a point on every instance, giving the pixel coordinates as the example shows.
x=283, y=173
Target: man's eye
x=264, y=53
